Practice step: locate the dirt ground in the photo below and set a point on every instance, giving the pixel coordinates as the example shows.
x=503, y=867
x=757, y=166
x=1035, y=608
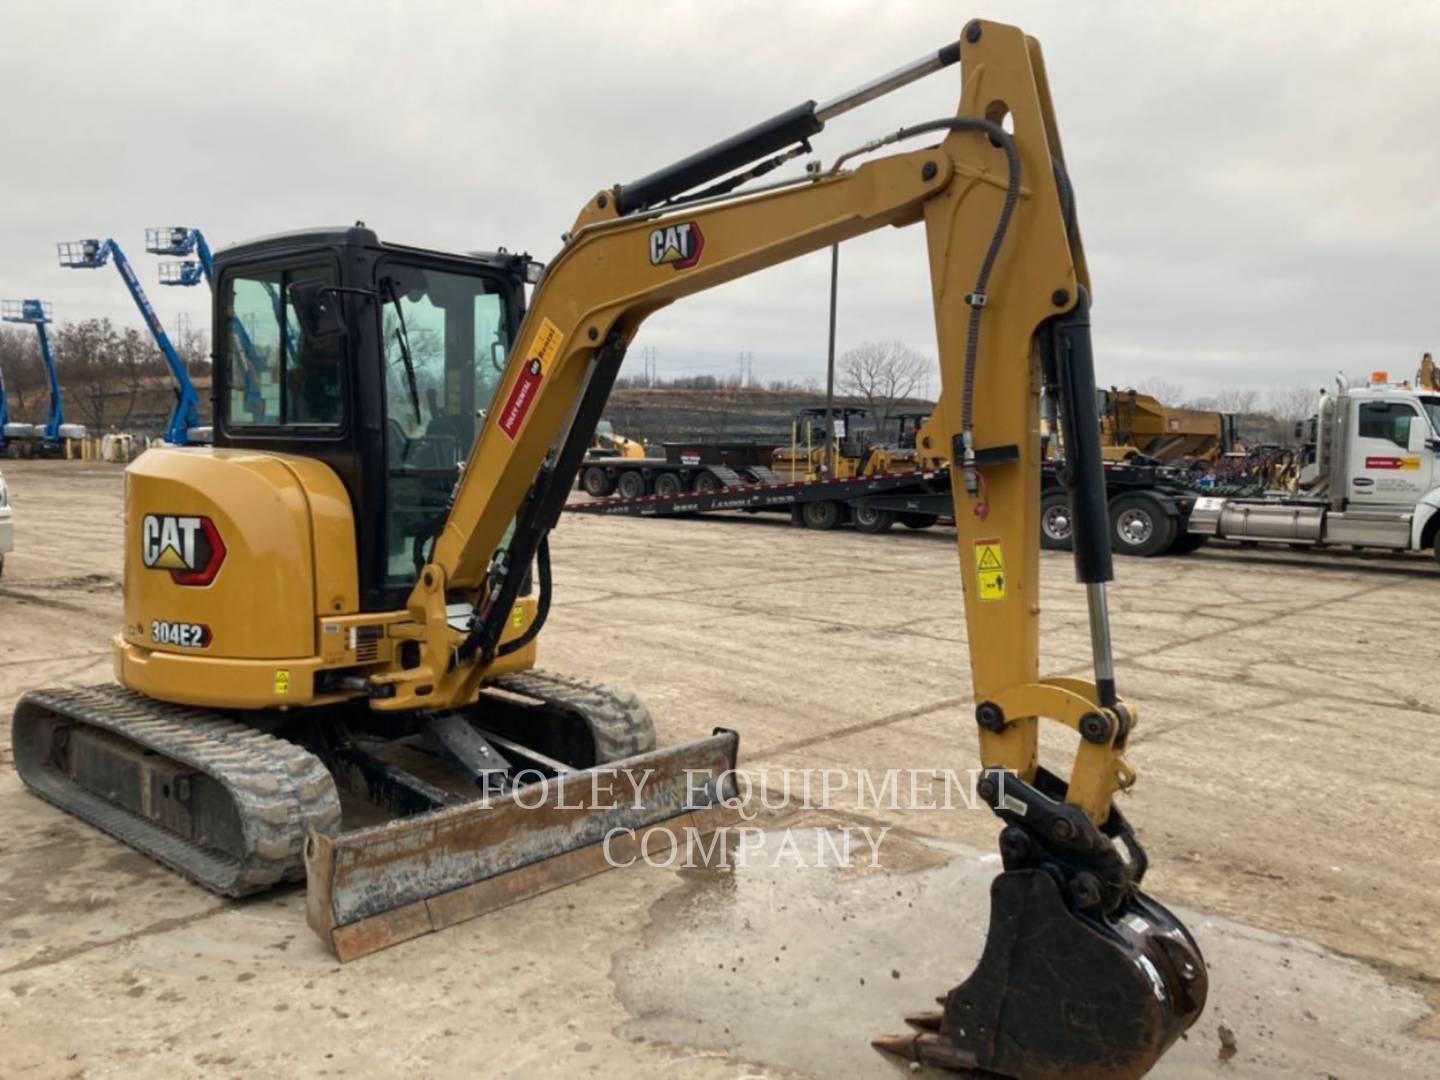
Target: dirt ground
x=1290, y=717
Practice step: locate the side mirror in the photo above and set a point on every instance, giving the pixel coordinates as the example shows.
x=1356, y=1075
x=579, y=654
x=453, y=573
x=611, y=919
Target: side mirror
x=318, y=307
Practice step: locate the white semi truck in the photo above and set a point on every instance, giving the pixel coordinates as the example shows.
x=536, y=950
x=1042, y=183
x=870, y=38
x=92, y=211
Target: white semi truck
x=1374, y=481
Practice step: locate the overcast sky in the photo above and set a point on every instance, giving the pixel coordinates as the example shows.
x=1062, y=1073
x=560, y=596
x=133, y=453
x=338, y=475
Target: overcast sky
x=1257, y=182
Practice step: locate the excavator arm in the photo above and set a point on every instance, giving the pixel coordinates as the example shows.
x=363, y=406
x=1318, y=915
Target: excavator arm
x=1082, y=974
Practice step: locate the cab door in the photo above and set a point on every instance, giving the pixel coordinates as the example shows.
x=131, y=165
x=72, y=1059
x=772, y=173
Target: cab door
x=1389, y=468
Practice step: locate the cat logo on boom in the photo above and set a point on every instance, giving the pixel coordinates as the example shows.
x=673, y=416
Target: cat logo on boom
x=678, y=245
x=188, y=546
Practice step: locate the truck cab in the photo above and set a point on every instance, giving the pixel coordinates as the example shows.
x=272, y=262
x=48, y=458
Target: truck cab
x=1374, y=480
x=1390, y=462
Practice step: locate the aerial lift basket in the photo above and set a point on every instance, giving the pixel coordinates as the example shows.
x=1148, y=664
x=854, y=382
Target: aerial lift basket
x=84, y=254
x=188, y=272
x=168, y=240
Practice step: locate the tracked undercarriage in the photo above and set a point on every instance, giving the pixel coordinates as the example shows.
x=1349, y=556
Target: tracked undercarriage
x=241, y=802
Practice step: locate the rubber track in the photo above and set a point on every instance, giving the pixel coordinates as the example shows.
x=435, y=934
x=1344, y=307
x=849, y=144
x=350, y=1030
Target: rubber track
x=281, y=791
x=618, y=720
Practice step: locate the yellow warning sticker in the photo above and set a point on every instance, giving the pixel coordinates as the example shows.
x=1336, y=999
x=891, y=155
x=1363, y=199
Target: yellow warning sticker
x=282, y=682
x=517, y=617
x=546, y=344
x=990, y=569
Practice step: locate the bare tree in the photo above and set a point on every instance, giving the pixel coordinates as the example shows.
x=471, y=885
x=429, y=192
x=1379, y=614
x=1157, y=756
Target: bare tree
x=1291, y=406
x=24, y=372
x=1165, y=391
x=82, y=359
x=1237, y=400
x=882, y=374
x=194, y=348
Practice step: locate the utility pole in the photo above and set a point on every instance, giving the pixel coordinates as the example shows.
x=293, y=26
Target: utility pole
x=830, y=366
x=747, y=369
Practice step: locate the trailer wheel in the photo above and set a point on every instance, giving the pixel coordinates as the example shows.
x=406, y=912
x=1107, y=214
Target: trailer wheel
x=707, y=482
x=913, y=520
x=822, y=514
x=1056, y=526
x=868, y=519
x=1140, y=526
x=596, y=481
x=632, y=485
x=668, y=484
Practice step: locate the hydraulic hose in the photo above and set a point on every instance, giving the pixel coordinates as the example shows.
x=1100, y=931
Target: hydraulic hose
x=542, y=607
x=976, y=298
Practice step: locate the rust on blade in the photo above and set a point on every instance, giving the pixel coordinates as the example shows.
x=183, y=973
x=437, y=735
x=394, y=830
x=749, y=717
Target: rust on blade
x=378, y=887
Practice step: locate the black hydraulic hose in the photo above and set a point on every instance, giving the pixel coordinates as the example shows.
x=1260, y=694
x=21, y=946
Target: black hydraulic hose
x=1067, y=197
x=542, y=607
x=976, y=299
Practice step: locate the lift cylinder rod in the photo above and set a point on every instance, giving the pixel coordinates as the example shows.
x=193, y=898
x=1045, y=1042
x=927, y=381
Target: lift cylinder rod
x=792, y=126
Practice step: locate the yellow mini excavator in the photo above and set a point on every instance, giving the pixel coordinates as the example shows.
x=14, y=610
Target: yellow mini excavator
x=330, y=618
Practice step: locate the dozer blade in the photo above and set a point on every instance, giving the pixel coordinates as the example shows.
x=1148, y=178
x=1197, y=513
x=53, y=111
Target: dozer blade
x=1062, y=993
x=377, y=887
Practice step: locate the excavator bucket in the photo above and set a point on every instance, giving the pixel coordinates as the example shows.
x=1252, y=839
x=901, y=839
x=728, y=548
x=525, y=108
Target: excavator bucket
x=376, y=887
x=1082, y=974
x=1059, y=993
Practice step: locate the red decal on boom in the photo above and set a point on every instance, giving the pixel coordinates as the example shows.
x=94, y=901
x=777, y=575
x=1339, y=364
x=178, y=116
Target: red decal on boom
x=522, y=396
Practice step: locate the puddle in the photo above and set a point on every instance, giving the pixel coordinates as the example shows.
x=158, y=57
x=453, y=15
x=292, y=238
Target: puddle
x=798, y=968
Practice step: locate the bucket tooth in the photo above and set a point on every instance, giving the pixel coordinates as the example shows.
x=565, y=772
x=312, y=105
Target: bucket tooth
x=926, y=1021
x=928, y=1049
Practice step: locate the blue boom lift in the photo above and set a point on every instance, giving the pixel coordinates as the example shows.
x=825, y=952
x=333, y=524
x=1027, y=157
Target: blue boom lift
x=51, y=435
x=8, y=430
x=182, y=242
x=184, y=427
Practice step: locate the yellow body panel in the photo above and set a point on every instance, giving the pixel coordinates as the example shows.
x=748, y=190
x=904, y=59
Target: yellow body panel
x=269, y=510
x=1139, y=423
x=284, y=601
x=223, y=683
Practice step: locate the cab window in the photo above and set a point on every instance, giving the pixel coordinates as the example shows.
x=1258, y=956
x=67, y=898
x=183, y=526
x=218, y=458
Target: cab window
x=275, y=377
x=1387, y=420
x=456, y=330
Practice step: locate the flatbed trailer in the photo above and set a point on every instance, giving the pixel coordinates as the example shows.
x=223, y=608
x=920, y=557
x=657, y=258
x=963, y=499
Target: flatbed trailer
x=871, y=503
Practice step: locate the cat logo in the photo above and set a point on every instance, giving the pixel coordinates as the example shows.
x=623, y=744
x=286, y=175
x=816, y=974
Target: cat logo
x=678, y=245
x=190, y=548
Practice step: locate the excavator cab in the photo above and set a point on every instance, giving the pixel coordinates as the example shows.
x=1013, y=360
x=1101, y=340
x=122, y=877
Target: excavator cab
x=381, y=361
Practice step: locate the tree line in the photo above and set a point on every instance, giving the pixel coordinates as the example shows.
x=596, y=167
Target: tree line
x=109, y=376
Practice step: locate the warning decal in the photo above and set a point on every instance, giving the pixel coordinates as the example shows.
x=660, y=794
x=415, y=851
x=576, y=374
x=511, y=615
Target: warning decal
x=990, y=569
x=282, y=683
x=542, y=353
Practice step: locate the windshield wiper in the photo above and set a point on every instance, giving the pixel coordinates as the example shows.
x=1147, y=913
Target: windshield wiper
x=402, y=337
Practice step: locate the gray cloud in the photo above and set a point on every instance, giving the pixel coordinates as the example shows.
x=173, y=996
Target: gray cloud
x=1256, y=183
